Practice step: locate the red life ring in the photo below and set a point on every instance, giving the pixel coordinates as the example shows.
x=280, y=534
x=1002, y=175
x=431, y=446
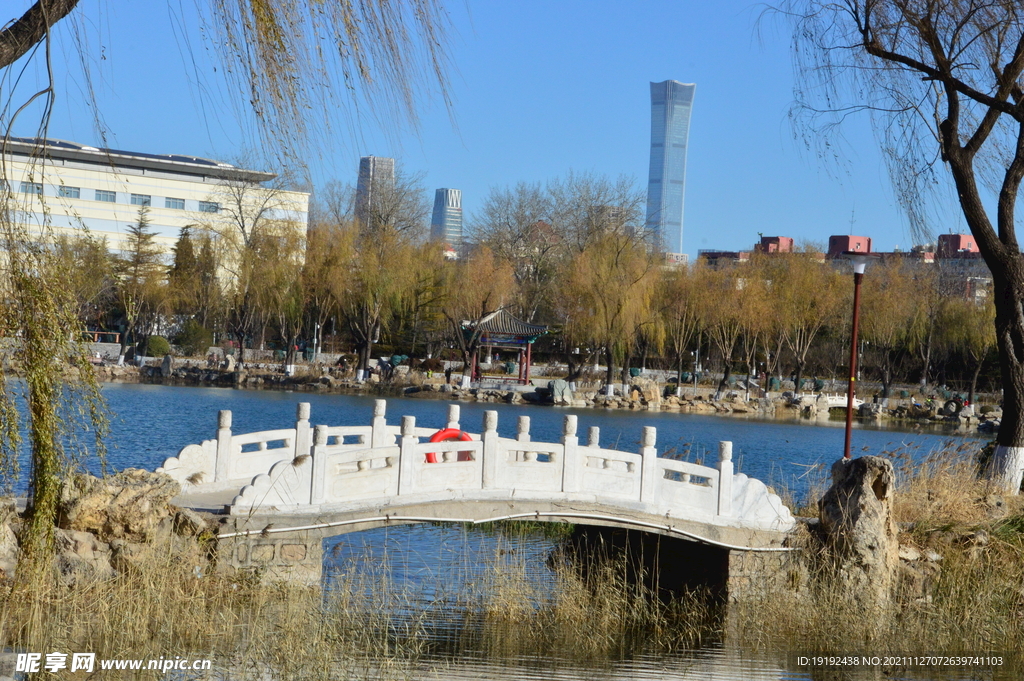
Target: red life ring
x=450, y=435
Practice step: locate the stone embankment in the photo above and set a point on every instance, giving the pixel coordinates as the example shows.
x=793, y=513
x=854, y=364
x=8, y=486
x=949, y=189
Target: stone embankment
x=642, y=395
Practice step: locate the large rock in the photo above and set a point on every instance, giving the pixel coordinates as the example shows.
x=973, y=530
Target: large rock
x=861, y=534
x=9, y=552
x=81, y=557
x=131, y=505
x=560, y=391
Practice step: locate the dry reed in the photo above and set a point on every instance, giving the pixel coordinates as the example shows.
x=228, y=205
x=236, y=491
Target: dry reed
x=975, y=603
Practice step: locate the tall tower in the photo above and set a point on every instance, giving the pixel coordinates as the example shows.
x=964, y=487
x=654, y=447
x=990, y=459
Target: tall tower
x=376, y=174
x=446, y=222
x=671, y=102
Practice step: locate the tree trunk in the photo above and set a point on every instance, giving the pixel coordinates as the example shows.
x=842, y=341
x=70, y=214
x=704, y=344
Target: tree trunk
x=610, y=373
x=726, y=373
x=1008, y=285
x=974, y=380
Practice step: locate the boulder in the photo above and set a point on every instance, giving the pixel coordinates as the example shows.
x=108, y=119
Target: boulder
x=9, y=552
x=81, y=557
x=861, y=534
x=560, y=392
x=167, y=366
x=229, y=363
x=129, y=505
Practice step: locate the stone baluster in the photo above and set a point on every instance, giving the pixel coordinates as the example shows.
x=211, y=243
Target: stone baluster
x=222, y=470
x=379, y=432
x=490, y=462
x=572, y=463
x=303, y=432
x=650, y=471
x=318, y=484
x=523, y=435
x=725, y=478
x=453, y=416
x=523, y=429
x=594, y=437
x=407, y=462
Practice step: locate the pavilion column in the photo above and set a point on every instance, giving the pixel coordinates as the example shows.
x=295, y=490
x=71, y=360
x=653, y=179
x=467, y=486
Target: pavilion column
x=521, y=365
x=529, y=347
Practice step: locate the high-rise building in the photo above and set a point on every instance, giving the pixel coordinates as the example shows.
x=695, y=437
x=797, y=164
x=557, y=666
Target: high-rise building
x=376, y=173
x=671, y=102
x=446, y=222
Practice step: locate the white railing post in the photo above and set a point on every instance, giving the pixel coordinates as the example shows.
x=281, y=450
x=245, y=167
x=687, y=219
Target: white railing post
x=407, y=463
x=572, y=466
x=302, y=430
x=318, y=484
x=523, y=429
x=490, y=461
x=649, y=470
x=594, y=437
x=453, y=416
x=724, y=478
x=223, y=465
x=522, y=435
x=379, y=432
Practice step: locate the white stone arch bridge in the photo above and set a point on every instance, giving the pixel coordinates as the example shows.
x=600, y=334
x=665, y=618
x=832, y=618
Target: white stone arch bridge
x=283, y=491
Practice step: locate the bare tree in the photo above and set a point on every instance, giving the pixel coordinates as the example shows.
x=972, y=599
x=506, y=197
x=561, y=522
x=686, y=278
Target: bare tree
x=944, y=82
x=515, y=224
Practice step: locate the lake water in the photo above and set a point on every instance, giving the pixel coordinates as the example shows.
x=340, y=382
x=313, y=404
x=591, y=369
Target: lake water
x=436, y=573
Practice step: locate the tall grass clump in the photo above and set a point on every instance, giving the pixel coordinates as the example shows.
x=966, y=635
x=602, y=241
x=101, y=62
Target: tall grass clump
x=596, y=611
x=168, y=601
x=958, y=587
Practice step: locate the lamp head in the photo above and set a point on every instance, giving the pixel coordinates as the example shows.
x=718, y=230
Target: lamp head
x=860, y=260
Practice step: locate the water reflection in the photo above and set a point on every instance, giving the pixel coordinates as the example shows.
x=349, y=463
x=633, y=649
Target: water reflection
x=484, y=605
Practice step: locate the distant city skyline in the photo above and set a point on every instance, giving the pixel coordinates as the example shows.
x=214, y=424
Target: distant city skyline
x=671, y=104
x=514, y=116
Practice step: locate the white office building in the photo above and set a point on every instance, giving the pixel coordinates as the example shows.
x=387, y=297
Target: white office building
x=72, y=187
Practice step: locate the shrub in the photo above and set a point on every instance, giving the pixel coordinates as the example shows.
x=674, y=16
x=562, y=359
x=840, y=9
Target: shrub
x=157, y=346
x=194, y=339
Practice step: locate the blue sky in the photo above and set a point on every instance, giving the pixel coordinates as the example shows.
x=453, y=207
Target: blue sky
x=540, y=88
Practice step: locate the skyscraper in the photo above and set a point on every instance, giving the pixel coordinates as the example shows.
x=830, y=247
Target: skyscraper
x=671, y=102
x=376, y=173
x=446, y=222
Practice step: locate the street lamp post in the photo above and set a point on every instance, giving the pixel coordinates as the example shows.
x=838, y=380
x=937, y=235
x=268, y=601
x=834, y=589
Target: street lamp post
x=860, y=262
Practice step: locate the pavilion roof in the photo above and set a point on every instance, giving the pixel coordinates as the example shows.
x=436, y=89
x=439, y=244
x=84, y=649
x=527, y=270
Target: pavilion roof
x=503, y=323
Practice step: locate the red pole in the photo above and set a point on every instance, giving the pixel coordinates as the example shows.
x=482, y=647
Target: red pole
x=526, y=376
x=857, y=276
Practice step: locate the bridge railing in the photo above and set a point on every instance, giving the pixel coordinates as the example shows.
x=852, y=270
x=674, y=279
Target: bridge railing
x=350, y=473
x=293, y=469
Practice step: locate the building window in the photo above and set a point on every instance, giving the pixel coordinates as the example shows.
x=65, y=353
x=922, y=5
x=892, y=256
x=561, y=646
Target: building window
x=141, y=199
x=69, y=192
x=177, y=204
x=103, y=195
x=209, y=207
x=32, y=188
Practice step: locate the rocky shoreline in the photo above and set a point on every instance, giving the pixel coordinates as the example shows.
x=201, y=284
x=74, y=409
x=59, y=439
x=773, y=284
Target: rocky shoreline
x=643, y=395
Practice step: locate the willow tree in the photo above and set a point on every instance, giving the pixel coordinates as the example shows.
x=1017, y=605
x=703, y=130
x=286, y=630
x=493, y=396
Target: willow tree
x=944, y=82
x=293, y=62
x=609, y=294
x=39, y=319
